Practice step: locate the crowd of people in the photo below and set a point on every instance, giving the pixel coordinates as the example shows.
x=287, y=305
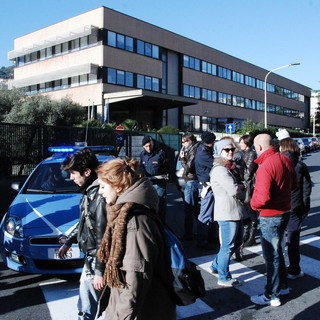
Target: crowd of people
x=245, y=186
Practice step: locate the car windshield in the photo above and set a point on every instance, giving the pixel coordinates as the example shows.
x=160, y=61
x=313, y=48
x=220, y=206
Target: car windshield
x=49, y=178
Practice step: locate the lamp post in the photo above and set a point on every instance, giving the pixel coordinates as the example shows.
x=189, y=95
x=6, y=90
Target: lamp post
x=265, y=88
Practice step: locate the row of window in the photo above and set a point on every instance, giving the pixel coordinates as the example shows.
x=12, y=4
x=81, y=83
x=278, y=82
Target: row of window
x=59, y=84
x=225, y=98
x=57, y=50
x=113, y=39
x=206, y=67
x=200, y=124
x=127, y=43
x=129, y=79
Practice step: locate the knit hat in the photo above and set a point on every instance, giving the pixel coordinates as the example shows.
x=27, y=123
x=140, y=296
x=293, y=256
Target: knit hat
x=219, y=146
x=208, y=137
x=282, y=134
x=146, y=139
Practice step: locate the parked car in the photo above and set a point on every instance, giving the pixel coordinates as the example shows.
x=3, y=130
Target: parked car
x=300, y=144
x=41, y=216
x=307, y=144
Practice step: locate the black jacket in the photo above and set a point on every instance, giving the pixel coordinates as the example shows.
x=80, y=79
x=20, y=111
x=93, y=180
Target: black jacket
x=300, y=196
x=189, y=172
x=89, y=240
x=204, y=162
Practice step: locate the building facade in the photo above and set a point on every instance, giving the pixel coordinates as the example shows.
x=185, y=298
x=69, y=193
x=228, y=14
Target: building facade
x=119, y=67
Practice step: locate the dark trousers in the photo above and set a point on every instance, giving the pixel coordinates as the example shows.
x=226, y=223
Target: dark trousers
x=293, y=242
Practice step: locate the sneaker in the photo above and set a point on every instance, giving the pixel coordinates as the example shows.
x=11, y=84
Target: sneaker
x=294, y=277
x=212, y=270
x=285, y=292
x=230, y=283
x=263, y=300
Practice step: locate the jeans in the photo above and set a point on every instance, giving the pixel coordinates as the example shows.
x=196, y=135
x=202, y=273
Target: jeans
x=231, y=237
x=161, y=189
x=191, y=194
x=88, y=296
x=205, y=218
x=272, y=231
x=293, y=239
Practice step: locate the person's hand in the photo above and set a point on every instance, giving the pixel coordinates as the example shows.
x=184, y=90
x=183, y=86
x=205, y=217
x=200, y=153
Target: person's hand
x=98, y=282
x=181, y=154
x=63, y=251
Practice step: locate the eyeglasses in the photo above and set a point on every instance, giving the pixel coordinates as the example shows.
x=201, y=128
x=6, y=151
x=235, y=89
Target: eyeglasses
x=184, y=141
x=227, y=150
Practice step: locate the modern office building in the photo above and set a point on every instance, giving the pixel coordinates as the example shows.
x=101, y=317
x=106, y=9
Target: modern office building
x=119, y=67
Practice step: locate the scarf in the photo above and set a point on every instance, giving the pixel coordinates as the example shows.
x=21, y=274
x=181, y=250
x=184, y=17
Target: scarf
x=113, y=244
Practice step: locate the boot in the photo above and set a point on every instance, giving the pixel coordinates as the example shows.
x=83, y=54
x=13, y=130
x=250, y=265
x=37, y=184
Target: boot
x=251, y=240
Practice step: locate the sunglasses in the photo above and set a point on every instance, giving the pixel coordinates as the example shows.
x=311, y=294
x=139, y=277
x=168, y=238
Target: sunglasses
x=229, y=149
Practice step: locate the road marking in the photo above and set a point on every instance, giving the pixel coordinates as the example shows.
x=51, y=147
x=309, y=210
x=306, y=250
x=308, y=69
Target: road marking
x=62, y=296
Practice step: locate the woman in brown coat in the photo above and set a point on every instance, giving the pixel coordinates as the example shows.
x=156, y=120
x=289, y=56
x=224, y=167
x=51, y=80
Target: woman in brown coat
x=133, y=246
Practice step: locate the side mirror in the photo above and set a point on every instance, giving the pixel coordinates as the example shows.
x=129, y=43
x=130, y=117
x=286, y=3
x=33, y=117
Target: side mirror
x=16, y=186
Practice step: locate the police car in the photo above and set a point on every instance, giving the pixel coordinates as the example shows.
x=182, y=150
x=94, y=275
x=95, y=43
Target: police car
x=42, y=215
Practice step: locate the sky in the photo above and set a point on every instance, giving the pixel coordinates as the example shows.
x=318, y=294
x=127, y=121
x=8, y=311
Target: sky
x=266, y=33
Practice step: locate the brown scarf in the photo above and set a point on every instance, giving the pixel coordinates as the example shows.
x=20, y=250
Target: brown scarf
x=113, y=244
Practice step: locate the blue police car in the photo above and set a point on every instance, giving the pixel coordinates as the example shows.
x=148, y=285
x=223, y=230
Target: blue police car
x=42, y=215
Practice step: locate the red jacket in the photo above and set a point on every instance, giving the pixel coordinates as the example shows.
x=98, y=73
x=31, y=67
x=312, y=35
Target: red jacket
x=275, y=178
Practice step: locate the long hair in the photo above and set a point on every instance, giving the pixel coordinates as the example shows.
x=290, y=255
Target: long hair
x=119, y=173
x=288, y=145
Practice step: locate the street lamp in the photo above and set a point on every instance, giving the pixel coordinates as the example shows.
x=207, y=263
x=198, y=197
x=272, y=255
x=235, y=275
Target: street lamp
x=265, y=88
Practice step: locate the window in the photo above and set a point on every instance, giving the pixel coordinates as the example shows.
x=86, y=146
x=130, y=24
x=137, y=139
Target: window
x=57, y=50
x=83, y=79
x=148, y=83
x=140, y=81
x=120, y=41
x=129, y=44
x=120, y=77
x=155, y=52
x=65, y=47
x=112, y=76
x=238, y=101
x=224, y=73
x=84, y=42
x=112, y=39
x=249, y=81
x=57, y=84
x=129, y=79
x=237, y=77
x=224, y=98
x=140, y=47
x=186, y=61
x=75, y=81
x=75, y=44
x=64, y=83
x=148, y=49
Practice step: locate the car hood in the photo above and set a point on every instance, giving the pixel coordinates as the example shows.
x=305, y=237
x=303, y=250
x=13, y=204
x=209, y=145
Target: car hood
x=49, y=214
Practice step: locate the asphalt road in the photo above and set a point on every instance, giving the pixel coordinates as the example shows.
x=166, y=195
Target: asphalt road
x=38, y=297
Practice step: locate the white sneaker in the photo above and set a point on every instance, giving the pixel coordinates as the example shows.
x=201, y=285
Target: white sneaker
x=263, y=300
x=212, y=271
x=294, y=277
x=230, y=283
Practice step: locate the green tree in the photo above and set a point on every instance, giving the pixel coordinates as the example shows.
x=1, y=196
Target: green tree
x=8, y=99
x=6, y=72
x=130, y=124
x=40, y=110
x=169, y=129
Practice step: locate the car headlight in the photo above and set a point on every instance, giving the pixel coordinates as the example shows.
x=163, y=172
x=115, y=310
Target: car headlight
x=13, y=225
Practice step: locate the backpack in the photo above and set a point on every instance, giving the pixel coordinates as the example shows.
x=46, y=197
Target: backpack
x=186, y=282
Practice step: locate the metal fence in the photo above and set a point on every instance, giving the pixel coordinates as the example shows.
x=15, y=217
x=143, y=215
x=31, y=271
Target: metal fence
x=22, y=147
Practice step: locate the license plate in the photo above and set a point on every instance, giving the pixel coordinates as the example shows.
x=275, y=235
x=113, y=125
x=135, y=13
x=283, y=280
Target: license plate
x=72, y=253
